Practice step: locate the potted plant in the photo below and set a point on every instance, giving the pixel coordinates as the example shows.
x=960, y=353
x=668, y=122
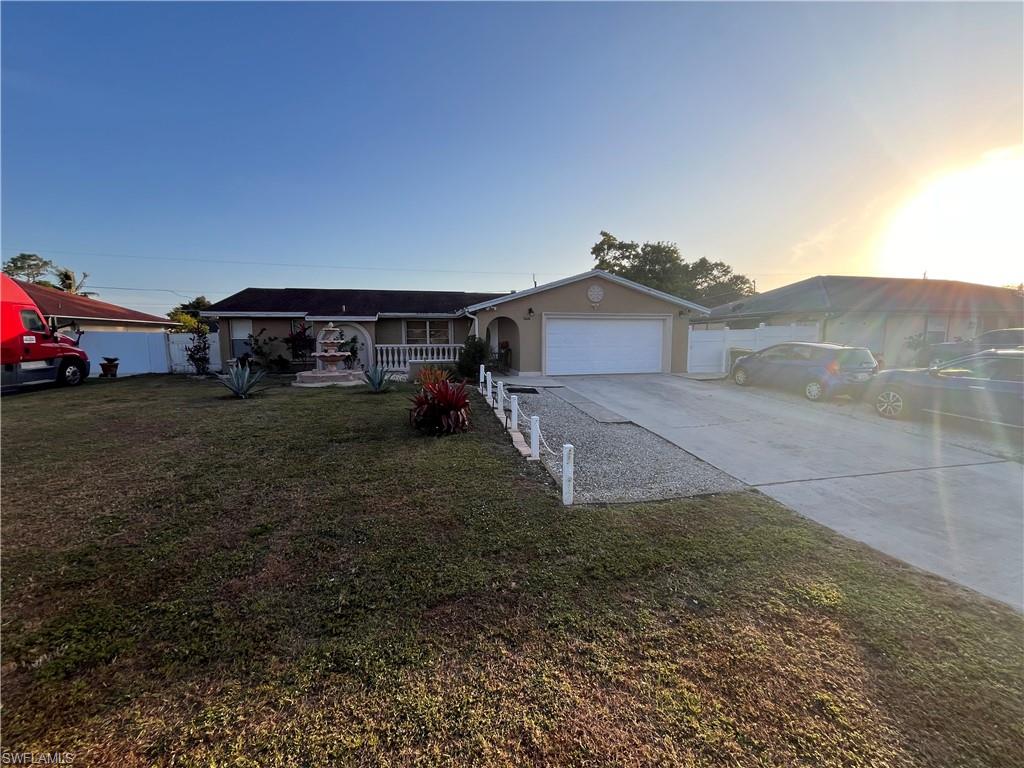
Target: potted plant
x=109, y=368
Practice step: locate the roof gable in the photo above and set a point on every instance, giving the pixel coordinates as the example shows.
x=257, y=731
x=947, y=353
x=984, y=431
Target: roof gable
x=583, y=276
x=53, y=302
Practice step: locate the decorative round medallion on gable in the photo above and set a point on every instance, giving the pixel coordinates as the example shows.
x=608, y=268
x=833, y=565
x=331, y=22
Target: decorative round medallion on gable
x=595, y=293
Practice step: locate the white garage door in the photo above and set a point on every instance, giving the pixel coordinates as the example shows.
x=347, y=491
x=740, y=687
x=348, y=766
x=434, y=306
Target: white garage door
x=603, y=345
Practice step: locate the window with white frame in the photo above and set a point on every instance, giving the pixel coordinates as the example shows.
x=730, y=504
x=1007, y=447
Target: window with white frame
x=427, y=332
x=935, y=332
x=241, y=328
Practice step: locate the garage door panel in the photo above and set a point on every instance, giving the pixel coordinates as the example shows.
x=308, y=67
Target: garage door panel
x=603, y=345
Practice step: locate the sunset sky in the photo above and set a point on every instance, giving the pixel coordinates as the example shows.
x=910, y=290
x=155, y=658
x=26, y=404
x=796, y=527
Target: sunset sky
x=467, y=146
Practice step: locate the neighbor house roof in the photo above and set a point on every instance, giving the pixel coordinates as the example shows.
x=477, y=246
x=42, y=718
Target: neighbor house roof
x=583, y=276
x=831, y=294
x=342, y=302
x=53, y=302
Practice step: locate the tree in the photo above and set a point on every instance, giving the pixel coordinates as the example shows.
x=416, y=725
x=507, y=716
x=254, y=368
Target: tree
x=199, y=352
x=659, y=265
x=29, y=267
x=186, y=314
x=192, y=307
x=68, y=282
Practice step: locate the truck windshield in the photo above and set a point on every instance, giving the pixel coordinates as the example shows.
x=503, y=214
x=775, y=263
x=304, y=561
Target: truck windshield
x=856, y=358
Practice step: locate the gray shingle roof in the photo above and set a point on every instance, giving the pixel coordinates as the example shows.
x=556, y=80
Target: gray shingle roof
x=832, y=294
x=347, y=301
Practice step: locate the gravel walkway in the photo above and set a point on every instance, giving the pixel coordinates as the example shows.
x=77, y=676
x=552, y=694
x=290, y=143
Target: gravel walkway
x=618, y=462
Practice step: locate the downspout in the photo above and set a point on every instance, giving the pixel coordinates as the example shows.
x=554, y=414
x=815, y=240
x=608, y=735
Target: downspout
x=476, y=324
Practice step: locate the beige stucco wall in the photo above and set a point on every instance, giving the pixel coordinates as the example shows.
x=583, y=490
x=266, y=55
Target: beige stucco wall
x=461, y=328
x=572, y=299
x=389, y=331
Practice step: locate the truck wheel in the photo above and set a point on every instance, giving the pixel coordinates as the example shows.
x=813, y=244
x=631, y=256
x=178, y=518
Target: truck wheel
x=72, y=373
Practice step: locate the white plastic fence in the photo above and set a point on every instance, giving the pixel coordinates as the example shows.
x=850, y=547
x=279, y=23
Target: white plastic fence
x=176, y=344
x=136, y=352
x=709, y=348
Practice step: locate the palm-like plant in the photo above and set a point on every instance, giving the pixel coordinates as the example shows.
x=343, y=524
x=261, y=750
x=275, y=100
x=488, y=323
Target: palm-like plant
x=242, y=381
x=432, y=375
x=68, y=282
x=378, y=378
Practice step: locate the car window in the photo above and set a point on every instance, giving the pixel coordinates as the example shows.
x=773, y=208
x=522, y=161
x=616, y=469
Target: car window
x=1004, y=338
x=803, y=353
x=980, y=368
x=856, y=358
x=776, y=353
x=1008, y=369
x=32, y=321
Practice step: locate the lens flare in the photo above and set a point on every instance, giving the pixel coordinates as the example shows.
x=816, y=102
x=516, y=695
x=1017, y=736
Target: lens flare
x=965, y=224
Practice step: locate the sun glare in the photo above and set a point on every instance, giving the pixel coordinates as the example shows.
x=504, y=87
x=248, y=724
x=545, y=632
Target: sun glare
x=965, y=224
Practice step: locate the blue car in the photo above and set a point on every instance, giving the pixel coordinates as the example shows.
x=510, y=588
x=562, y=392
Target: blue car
x=986, y=387
x=817, y=370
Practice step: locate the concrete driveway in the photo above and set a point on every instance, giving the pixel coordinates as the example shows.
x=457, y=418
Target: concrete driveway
x=953, y=510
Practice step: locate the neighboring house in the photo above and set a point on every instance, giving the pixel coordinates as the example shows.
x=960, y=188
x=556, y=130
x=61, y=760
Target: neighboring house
x=594, y=322
x=880, y=313
x=137, y=339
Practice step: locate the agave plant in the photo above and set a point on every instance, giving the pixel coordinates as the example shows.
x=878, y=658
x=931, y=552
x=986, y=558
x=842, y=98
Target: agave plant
x=242, y=381
x=441, y=408
x=378, y=378
x=432, y=375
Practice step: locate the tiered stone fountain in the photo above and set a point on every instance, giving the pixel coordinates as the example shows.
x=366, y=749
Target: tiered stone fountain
x=328, y=354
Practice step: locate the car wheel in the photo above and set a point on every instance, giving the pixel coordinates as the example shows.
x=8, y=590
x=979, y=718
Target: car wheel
x=891, y=404
x=72, y=373
x=814, y=390
x=741, y=377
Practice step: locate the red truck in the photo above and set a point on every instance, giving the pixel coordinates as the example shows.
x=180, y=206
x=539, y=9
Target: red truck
x=31, y=352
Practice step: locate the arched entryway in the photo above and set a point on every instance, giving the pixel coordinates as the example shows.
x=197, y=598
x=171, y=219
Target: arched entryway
x=348, y=330
x=502, y=337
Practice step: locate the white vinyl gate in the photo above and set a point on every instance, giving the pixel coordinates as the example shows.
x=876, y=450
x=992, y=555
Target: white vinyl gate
x=709, y=349
x=176, y=344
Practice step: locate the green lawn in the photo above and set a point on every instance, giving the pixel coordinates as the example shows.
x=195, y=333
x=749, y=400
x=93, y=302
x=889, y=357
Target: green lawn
x=300, y=580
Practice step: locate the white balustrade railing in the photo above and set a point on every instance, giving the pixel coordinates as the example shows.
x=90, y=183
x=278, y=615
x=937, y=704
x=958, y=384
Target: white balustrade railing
x=396, y=357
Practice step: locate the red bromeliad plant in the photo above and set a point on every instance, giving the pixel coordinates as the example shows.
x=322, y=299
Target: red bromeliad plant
x=440, y=408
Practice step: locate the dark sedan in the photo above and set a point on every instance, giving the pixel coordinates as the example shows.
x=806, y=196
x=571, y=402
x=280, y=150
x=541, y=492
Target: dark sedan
x=986, y=387
x=1004, y=338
